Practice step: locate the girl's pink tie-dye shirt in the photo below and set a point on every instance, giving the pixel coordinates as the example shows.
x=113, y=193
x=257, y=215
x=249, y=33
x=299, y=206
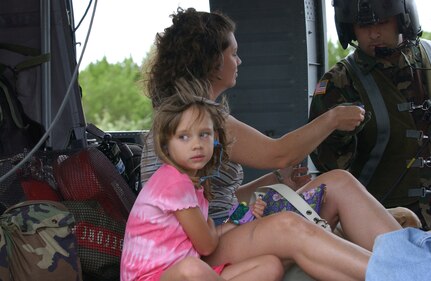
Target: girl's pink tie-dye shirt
x=154, y=239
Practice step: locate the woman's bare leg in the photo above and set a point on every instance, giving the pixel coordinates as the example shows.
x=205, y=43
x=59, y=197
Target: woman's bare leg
x=361, y=216
x=292, y=238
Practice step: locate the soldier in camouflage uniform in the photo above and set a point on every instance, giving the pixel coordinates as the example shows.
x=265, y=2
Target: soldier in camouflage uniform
x=390, y=53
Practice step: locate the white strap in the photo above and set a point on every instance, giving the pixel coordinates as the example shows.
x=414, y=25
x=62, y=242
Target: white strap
x=298, y=202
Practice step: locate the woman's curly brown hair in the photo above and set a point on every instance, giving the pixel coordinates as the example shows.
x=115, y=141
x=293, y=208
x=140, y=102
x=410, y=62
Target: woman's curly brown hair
x=191, y=48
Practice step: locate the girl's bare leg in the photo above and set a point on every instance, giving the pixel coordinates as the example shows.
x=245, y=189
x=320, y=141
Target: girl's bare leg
x=268, y=268
x=190, y=269
x=361, y=216
x=292, y=238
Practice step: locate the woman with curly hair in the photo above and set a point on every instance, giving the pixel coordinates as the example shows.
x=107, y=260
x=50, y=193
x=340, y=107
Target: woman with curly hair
x=202, y=45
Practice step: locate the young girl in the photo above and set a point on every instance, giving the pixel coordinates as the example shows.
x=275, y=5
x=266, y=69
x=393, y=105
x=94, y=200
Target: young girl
x=168, y=228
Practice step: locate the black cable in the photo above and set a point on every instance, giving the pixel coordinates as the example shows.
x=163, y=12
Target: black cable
x=60, y=110
x=83, y=16
x=397, y=182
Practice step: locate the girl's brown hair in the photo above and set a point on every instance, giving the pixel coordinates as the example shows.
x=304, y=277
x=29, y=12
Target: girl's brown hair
x=168, y=116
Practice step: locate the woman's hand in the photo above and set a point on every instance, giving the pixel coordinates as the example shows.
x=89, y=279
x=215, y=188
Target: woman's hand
x=295, y=177
x=257, y=208
x=347, y=117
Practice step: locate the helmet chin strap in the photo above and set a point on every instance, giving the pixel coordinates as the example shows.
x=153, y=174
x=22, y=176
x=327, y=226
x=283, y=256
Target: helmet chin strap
x=385, y=52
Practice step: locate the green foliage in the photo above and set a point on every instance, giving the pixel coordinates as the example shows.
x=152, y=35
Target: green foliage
x=426, y=35
x=336, y=52
x=112, y=98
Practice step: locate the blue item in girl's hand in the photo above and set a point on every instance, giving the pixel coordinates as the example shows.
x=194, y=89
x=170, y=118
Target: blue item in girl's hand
x=240, y=213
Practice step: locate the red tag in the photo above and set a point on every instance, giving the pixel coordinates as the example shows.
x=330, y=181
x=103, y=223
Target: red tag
x=99, y=239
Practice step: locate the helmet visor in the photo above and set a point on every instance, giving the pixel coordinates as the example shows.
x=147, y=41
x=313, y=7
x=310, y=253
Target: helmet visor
x=364, y=12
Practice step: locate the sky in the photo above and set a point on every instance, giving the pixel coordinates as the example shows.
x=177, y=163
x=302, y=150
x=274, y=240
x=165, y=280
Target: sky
x=126, y=28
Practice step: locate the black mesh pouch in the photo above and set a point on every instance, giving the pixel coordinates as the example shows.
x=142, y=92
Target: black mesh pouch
x=100, y=240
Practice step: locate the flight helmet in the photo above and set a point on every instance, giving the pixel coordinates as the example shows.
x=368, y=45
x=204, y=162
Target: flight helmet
x=365, y=12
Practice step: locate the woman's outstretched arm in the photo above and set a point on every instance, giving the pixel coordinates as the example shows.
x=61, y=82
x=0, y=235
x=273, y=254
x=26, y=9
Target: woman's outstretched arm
x=254, y=149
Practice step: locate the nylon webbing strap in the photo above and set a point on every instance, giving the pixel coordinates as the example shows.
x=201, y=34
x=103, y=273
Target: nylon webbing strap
x=427, y=47
x=36, y=58
x=426, y=44
x=426, y=51
x=382, y=119
x=13, y=107
x=299, y=203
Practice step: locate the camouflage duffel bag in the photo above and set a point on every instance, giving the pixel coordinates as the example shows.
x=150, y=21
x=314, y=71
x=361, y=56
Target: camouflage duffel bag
x=39, y=242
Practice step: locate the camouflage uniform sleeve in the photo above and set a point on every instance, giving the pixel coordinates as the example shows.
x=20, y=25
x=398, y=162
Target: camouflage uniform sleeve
x=333, y=89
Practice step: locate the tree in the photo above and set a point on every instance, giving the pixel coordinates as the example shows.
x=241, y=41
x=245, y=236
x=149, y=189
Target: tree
x=426, y=35
x=112, y=97
x=336, y=52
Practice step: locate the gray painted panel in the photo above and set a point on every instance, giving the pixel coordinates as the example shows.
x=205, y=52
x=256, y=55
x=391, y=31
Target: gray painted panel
x=281, y=44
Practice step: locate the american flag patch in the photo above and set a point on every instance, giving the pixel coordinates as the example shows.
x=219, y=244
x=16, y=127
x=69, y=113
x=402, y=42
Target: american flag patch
x=321, y=87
